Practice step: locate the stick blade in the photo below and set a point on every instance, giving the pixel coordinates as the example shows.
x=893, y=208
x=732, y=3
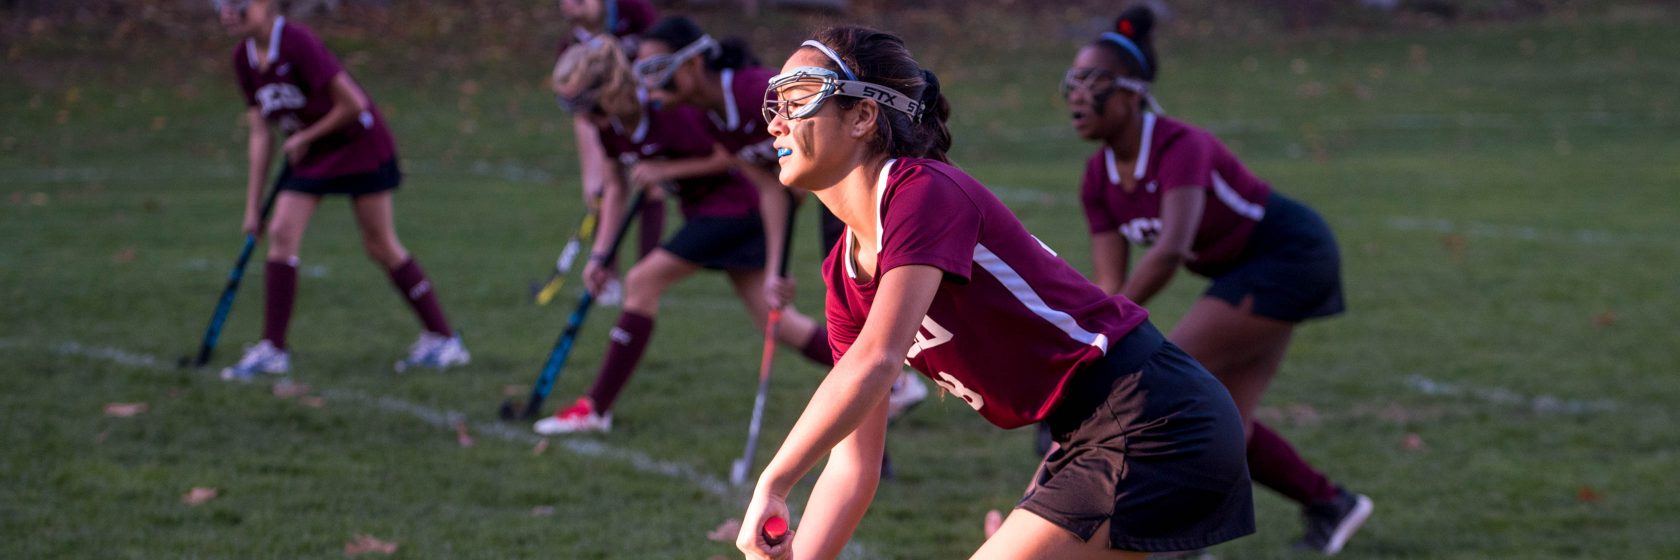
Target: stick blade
x=738, y=473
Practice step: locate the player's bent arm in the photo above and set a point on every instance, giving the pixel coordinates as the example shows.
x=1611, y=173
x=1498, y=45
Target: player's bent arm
x=775, y=205
x=860, y=381
x=615, y=197
x=1181, y=213
x=348, y=104
x=844, y=491
x=1109, y=257
x=719, y=161
x=593, y=164
x=259, y=152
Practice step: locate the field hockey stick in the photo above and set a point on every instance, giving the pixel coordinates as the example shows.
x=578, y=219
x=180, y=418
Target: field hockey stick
x=739, y=470
x=544, y=292
x=563, y=346
x=774, y=531
x=213, y=332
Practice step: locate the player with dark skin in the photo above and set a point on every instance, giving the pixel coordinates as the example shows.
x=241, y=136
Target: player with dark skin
x=1174, y=189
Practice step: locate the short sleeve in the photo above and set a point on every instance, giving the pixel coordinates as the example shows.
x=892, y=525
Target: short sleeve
x=1186, y=161
x=1091, y=189
x=314, y=65
x=927, y=219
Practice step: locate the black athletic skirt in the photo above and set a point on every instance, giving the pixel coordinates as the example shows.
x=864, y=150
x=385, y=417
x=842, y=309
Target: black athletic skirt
x=1291, y=266
x=720, y=243
x=1152, y=444
x=386, y=177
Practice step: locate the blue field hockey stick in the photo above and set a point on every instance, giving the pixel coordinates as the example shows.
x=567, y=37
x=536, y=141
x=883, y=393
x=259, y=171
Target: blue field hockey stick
x=225, y=304
x=563, y=346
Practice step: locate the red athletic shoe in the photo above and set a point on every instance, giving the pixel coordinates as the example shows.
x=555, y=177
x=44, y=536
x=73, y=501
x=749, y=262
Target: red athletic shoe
x=580, y=417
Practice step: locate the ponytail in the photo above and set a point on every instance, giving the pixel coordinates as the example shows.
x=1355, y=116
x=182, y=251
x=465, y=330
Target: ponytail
x=1131, y=41
x=931, y=133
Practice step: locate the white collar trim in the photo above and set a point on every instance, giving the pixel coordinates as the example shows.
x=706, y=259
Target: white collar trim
x=851, y=238
x=273, y=45
x=1142, y=166
x=732, y=115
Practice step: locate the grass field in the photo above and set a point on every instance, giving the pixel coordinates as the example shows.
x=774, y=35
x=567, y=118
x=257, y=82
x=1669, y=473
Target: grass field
x=1503, y=384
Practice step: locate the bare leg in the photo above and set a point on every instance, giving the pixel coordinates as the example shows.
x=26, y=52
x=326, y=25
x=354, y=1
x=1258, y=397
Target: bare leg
x=1024, y=535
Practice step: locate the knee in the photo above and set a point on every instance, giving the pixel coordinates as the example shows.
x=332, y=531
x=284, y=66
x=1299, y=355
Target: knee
x=384, y=250
x=282, y=242
x=643, y=286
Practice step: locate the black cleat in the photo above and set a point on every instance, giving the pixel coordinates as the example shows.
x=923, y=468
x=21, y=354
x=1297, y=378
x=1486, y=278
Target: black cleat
x=1329, y=525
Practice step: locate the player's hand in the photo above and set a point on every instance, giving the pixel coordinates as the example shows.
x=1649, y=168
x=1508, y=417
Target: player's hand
x=751, y=540
x=596, y=275
x=649, y=173
x=251, y=225
x=778, y=291
x=296, y=147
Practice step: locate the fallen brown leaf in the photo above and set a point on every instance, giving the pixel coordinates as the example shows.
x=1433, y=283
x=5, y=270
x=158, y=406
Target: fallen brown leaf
x=312, y=401
x=367, y=544
x=1412, y=442
x=1588, y=495
x=542, y=445
x=512, y=390
x=125, y=410
x=198, y=495
x=124, y=256
x=101, y=437
x=725, y=532
x=461, y=435
x=286, y=389
x=1456, y=245
x=542, y=511
x=1605, y=319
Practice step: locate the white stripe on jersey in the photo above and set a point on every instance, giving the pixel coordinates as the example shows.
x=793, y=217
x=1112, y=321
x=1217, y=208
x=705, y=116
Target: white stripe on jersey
x=1237, y=203
x=1018, y=287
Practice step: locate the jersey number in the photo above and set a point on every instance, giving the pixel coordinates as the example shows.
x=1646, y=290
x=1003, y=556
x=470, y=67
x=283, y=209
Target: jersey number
x=955, y=387
x=1142, y=231
x=936, y=335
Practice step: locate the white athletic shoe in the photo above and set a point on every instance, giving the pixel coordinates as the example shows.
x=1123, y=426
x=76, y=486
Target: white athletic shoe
x=259, y=358
x=580, y=417
x=907, y=392
x=435, y=351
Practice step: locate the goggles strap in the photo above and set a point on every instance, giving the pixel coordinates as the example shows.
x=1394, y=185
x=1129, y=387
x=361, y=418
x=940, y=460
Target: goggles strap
x=832, y=56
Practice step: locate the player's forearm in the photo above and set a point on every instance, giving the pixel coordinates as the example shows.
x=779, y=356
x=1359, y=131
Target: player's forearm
x=856, y=386
x=614, y=200
x=776, y=207
x=339, y=116
x=714, y=164
x=838, y=502
x=1154, y=271
x=259, y=152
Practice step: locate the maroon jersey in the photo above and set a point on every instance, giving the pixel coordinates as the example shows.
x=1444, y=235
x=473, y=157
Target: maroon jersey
x=290, y=85
x=1010, y=324
x=629, y=19
x=682, y=133
x=740, y=129
x=1176, y=155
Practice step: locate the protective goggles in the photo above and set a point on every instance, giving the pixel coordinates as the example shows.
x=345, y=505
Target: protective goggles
x=799, y=93
x=1102, y=83
x=656, y=71
x=235, y=4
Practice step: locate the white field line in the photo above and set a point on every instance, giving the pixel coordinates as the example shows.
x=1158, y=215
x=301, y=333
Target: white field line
x=1526, y=233
x=446, y=419
x=1538, y=404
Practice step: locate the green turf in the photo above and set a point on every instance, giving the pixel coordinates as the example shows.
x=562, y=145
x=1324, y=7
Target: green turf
x=1502, y=194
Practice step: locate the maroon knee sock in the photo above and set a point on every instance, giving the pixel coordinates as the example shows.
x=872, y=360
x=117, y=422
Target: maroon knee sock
x=279, y=291
x=629, y=342
x=1272, y=462
x=816, y=348
x=411, y=282
x=653, y=227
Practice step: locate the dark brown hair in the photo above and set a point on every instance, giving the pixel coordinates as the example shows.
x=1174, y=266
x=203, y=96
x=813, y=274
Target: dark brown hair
x=881, y=58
